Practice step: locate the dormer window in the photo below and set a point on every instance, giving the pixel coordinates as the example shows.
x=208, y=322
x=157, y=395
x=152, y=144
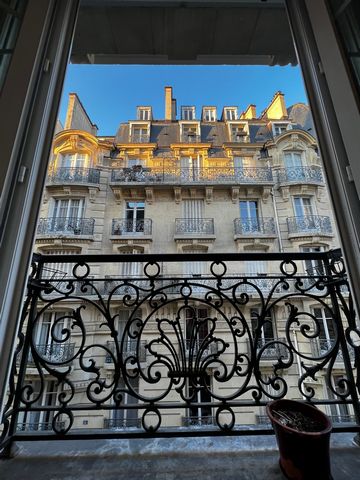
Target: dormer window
x=279, y=128
x=230, y=113
x=139, y=132
x=209, y=114
x=189, y=132
x=144, y=113
x=187, y=113
x=238, y=132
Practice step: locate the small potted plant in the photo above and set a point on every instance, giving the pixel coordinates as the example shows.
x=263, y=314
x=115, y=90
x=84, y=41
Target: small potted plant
x=303, y=437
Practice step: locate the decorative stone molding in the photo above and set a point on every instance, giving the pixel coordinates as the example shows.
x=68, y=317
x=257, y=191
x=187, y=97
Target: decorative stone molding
x=118, y=194
x=266, y=193
x=149, y=195
x=209, y=194
x=92, y=194
x=177, y=194
x=235, y=193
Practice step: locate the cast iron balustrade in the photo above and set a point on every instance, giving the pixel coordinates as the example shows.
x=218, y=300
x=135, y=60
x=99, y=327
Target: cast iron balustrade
x=198, y=421
x=74, y=175
x=342, y=418
x=121, y=423
x=254, y=226
x=271, y=348
x=321, y=346
x=241, y=137
x=54, y=353
x=65, y=226
x=311, y=174
x=123, y=226
x=198, y=226
x=185, y=175
x=309, y=224
x=137, y=138
x=129, y=348
x=229, y=372
x=189, y=138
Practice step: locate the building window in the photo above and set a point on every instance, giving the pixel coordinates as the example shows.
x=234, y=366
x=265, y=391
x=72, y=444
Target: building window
x=303, y=207
x=187, y=113
x=134, y=162
x=128, y=417
x=279, y=128
x=134, y=215
x=74, y=160
x=209, y=114
x=292, y=160
x=230, y=113
x=313, y=267
x=199, y=392
x=249, y=215
x=144, y=113
x=190, y=133
x=193, y=212
x=139, y=134
x=238, y=133
x=266, y=334
x=190, y=168
x=340, y=413
x=67, y=215
x=45, y=393
x=131, y=269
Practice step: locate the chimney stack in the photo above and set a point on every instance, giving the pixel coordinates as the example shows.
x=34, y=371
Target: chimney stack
x=170, y=105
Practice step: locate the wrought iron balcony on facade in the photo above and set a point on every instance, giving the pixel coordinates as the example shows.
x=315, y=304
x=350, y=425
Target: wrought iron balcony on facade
x=242, y=137
x=121, y=423
x=237, y=368
x=198, y=421
x=126, y=227
x=322, y=346
x=129, y=348
x=190, y=138
x=254, y=226
x=74, y=175
x=197, y=226
x=185, y=175
x=39, y=426
x=54, y=353
x=65, y=226
x=311, y=174
x=309, y=224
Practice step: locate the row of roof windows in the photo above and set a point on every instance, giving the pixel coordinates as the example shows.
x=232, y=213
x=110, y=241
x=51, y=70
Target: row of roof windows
x=209, y=114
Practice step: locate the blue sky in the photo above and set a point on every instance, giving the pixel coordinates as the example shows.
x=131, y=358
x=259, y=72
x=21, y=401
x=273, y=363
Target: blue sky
x=111, y=93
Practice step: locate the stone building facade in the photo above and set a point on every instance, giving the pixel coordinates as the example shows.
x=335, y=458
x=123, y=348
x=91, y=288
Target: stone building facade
x=205, y=183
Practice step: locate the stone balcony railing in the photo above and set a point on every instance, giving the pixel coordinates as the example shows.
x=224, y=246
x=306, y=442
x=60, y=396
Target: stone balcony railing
x=309, y=224
x=65, y=226
x=75, y=175
x=198, y=226
x=186, y=175
x=254, y=226
x=312, y=174
x=126, y=227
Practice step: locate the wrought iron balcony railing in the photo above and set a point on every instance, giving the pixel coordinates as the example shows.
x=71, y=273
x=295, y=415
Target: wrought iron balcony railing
x=54, y=353
x=128, y=348
x=340, y=418
x=74, y=175
x=137, y=138
x=123, y=226
x=121, y=423
x=190, y=138
x=311, y=174
x=271, y=348
x=254, y=226
x=309, y=224
x=242, y=137
x=39, y=426
x=198, y=421
x=66, y=226
x=164, y=308
x=197, y=226
x=184, y=175
x=262, y=420
x=321, y=347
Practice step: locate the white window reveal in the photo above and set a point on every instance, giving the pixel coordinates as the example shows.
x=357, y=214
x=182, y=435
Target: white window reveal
x=190, y=168
x=230, y=113
x=279, y=128
x=303, y=206
x=188, y=113
x=193, y=213
x=134, y=217
x=293, y=159
x=74, y=160
x=144, y=113
x=67, y=215
x=249, y=216
x=139, y=134
x=59, y=271
x=209, y=114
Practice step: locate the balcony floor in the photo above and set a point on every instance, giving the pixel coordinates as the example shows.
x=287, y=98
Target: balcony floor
x=207, y=458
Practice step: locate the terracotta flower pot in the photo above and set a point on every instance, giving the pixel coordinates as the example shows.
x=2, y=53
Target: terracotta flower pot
x=303, y=445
